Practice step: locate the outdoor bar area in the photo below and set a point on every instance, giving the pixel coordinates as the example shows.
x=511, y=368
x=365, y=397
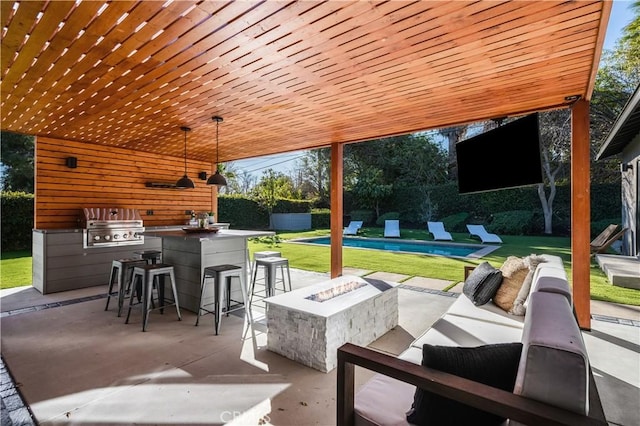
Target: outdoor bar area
x=140, y=108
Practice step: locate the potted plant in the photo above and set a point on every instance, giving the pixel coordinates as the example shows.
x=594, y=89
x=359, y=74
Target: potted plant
x=211, y=218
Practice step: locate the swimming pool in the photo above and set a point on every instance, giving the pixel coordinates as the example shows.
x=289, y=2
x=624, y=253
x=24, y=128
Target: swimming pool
x=434, y=248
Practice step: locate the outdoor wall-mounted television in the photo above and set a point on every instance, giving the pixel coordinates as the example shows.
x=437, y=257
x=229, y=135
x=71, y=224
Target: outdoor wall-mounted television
x=505, y=157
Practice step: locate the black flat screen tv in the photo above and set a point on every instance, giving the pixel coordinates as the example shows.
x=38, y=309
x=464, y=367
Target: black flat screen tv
x=505, y=157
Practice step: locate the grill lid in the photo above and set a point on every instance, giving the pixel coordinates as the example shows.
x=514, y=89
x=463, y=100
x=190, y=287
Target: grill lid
x=96, y=216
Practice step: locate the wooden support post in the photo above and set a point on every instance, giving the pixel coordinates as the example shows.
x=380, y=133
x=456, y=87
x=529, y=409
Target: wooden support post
x=337, y=178
x=581, y=212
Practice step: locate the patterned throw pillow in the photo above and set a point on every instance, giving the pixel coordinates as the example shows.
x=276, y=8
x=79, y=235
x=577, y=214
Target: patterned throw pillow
x=514, y=272
x=532, y=261
x=482, y=283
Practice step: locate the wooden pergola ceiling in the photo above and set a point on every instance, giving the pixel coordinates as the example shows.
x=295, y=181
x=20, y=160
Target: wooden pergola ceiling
x=285, y=75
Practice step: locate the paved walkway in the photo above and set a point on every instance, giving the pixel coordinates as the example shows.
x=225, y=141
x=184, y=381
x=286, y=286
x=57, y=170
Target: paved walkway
x=15, y=413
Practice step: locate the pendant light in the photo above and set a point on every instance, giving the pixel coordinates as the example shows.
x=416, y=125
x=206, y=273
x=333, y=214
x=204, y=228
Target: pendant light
x=217, y=178
x=184, y=181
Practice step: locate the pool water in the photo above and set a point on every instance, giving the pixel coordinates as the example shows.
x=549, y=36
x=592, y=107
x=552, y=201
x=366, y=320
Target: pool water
x=426, y=247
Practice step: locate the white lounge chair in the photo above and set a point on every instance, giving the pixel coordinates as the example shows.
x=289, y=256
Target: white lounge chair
x=480, y=232
x=392, y=228
x=353, y=228
x=437, y=230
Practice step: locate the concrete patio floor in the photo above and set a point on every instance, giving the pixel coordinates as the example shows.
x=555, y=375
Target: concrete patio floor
x=75, y=363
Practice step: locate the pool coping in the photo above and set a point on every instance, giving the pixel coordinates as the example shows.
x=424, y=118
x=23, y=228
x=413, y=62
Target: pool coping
x=483, y=249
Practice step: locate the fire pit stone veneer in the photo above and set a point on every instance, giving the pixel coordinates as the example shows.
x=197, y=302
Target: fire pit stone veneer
x=310, y=332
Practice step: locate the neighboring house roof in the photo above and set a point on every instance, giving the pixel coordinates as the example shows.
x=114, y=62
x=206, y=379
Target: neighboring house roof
x=626, y=127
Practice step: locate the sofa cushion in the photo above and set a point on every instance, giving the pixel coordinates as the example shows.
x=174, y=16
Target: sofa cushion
x=483, y=282
x=554, y=367
x=494, y=365
x=489, y=312
x=532, y=262
x=514, y=272
x=383, y=401
x=453, y=330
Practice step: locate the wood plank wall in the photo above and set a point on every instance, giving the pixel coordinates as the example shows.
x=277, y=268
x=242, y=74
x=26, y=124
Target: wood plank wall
x=113, y=177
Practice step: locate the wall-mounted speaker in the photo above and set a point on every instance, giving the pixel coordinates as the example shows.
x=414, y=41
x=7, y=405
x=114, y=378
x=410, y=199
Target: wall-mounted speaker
x=71, y=162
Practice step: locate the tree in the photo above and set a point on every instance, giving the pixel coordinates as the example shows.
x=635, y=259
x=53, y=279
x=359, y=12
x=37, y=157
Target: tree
x=230, y=173
x=242, y=184
x=313, y=171
x=17, y=162
x=555, y=128
x=370, y=189
x=617, y=78
x=272, y=186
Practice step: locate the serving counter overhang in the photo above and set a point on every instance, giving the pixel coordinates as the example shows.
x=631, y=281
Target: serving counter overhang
x=190, y=253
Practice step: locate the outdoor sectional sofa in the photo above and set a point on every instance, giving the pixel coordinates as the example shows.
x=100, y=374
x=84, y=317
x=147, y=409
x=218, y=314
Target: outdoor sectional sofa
x=553, y=380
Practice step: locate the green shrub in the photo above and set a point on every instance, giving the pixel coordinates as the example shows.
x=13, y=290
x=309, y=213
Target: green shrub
x=366, y=216
x=292, y=206
x=606, y=202
x=387, y=216
x=598, y=226
x=456, y=222
x=242, y=212
x=17, y=220
x=320, y=218
x=514, y=222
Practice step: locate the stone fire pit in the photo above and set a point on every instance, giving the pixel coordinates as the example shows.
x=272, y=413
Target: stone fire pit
x=308, y=325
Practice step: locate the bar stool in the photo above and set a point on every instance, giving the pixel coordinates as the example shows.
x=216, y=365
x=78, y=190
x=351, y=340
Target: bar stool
x=271, y=265
x=221, y=274
x=122, y=273
x=146, y=276
x=262, y=255
x=150, y=256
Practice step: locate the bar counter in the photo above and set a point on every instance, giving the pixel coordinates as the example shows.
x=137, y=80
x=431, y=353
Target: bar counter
x=190, y=253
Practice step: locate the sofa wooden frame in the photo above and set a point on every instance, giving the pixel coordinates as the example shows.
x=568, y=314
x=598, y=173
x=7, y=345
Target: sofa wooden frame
x=468, y=392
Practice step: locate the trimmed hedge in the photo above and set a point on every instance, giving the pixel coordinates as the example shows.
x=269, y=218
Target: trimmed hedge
x=444, y=201
x=321, y=218
x=17, y=220
x=292, y=206
x=495, y=209
x=241, y=212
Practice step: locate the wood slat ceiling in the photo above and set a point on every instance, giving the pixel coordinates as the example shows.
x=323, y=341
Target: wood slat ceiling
x=285, y=75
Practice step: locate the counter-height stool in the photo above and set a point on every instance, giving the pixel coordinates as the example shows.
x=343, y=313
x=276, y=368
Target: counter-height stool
x=145, y=277
x=121, y=273
x=262, y=255
x=150, y=256
x=271, y=266
x=222, y=275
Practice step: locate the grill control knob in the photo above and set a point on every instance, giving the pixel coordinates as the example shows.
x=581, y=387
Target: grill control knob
x=107, y=237
x=116, y=236
x=96, y=238
x=125, y=236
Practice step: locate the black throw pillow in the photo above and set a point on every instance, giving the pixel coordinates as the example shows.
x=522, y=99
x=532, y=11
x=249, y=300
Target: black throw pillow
x=494, y=365
x=482, y=284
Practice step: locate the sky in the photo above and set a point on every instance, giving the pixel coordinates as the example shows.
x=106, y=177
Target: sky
x=620, y=16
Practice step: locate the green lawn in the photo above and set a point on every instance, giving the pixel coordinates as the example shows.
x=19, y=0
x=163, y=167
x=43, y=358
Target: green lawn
x=15, y=267
x=317, y=258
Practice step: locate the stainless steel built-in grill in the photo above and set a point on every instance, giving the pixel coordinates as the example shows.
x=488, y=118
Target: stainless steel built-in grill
x=111, y=227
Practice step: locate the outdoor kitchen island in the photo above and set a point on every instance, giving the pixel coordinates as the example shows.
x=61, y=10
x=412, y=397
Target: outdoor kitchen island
x=190, y=253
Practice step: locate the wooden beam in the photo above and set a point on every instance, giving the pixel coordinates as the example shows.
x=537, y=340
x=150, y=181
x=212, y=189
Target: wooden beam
x=604, y=21
x=580, y=212
x=337, y=155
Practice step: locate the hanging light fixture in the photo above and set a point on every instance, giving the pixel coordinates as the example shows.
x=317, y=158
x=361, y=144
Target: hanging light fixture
x=217, y=178
x=184, y=181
